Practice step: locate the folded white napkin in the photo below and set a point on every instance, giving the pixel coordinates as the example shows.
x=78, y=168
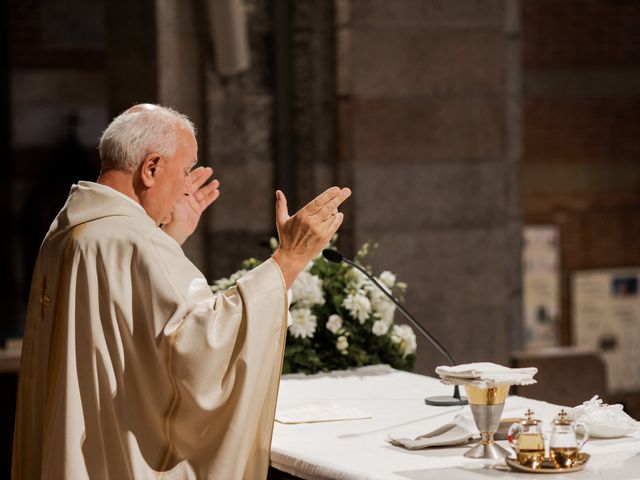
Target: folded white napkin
x=486, y=374
x=460, y=430
x=317, y=412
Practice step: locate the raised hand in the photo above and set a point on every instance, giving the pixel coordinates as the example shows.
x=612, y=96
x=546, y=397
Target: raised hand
x=303, y=235
x=188, y=210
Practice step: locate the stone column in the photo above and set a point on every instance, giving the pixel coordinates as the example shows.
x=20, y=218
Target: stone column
x=181, y=32
x=428, y=126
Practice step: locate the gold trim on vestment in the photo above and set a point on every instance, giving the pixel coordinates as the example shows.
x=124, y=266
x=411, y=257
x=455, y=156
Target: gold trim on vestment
x=283, y=340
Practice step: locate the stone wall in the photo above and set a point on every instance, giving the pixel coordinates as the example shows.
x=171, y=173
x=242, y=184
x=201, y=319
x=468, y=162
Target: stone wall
x=239, y=147
x=429, y=130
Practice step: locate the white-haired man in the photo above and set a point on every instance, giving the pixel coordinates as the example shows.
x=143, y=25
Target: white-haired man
x=131, y=367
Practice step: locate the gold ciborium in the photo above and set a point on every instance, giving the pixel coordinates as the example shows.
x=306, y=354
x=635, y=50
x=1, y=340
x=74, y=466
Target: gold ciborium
x=486, y=405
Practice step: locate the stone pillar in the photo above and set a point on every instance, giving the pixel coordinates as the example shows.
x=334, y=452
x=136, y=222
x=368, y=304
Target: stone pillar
x=181, y=32
x=428, y=126
x=239, y=119
x=314, y=97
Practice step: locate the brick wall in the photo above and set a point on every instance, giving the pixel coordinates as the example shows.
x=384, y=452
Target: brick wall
x=581, y=118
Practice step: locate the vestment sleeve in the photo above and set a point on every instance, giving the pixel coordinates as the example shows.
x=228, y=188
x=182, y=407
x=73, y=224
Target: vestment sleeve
x=223, y=358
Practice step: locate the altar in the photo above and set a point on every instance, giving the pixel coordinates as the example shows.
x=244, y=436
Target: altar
x=394, y=401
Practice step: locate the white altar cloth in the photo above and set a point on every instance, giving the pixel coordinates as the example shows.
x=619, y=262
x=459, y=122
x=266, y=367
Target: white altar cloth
x=357, y=449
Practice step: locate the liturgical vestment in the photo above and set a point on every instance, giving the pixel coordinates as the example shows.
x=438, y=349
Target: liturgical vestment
x=131, y=367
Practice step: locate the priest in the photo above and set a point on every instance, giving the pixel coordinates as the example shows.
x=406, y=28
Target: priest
x=131, y=367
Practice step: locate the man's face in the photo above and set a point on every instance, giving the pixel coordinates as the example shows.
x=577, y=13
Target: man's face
x=173, y=179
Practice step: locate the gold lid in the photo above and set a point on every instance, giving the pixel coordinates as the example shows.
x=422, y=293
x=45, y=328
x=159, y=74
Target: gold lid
x=561, y=419
x=530, y=421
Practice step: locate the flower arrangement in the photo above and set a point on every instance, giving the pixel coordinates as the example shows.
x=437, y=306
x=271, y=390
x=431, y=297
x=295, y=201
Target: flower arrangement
x=340, y=319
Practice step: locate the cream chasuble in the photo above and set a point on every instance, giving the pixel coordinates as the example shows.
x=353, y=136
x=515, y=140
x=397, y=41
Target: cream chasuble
x=131, y=367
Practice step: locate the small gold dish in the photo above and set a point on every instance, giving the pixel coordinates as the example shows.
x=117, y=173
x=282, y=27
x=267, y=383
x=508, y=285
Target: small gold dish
x=548, y=466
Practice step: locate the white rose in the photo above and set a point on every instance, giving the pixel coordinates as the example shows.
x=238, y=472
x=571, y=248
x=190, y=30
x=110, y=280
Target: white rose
x=342, y=344
x=388, y=279
x=403, y=334
x=380, y=327
x=307, y=290
x=358, y=306
x=334, y=323
x=303, y=323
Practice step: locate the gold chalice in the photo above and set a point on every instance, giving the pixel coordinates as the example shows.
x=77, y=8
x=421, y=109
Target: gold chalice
x=487, y=404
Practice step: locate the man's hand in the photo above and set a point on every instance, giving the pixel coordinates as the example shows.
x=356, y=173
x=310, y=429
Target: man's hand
x=305, y=234
x=189, y=208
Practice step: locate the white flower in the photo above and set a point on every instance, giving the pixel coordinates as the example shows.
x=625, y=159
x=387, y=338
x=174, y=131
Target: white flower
x=273, y=243
x=342, y=344
x=334, y=323
x=380, y=327
x=223, y=284
x=237, y=275
x=307, y=290
x=356, y=279
x=386, y=312
x=384, y=307
x=304, y=323
x=387, y=278
x=403, y=334
x=358, y=306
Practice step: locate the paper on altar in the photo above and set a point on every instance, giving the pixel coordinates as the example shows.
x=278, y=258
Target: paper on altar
x=318, y=412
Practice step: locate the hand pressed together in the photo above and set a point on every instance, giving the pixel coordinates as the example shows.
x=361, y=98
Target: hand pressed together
x=304, y=235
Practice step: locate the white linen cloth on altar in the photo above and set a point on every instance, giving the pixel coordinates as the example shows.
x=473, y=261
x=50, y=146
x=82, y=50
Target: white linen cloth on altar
x=358, y=450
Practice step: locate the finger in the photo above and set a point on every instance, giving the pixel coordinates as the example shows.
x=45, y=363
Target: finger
x=335, y=224
x=282, y=212
x=191, y=203
x=199, y=176
x=331, y=208
x=205, y=191
x=209, y=198
x=321, y=200
x=205, y=196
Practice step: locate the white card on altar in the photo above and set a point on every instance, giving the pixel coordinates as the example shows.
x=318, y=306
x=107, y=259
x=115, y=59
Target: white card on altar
x=318, y=412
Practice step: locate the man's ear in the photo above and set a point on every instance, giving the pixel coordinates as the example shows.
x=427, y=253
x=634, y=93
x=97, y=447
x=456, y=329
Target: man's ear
x=149, y=169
